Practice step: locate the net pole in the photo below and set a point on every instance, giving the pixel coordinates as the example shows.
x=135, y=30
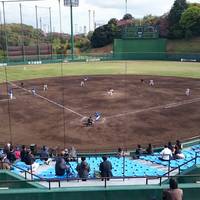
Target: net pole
x=63, y=89
x=72, y=32
x=22, y=32
x=36, y=18
x=5, y=31
x=50, y=24
x=6, y=74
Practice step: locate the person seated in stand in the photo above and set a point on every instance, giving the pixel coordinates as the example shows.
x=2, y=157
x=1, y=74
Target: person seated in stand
x=178, y=154
x=179, y=145
x=22, y=84
x=23, y=153
x=139, y=151
x=89, y=121
x=149, y=150
x=120, y=152
x=165, y=154
x=44, y=155
x=4, y=162
x=17, y=153
x=11, y=155
x=170, y=146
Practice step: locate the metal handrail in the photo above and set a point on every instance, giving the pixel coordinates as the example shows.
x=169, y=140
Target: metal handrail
x=105, y=179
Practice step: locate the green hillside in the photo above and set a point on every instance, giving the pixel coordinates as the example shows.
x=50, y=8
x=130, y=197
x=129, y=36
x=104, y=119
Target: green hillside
x=184, y=46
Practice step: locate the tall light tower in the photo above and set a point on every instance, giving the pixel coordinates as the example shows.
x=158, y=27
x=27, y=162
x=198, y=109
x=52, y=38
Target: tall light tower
x=89, y=16
x=71, y=4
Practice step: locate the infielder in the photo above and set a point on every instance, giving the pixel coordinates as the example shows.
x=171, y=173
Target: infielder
x=45, y=87
x=151, y=83
x=187, y=92
x=10, y=94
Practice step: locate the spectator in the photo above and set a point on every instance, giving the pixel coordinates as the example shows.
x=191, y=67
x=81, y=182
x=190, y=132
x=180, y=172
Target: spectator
x=17, y=153
x=173, y=193
x=139, y=151
x=178, y=154
x=149, y=150
x=120, y=152
x=170, y=146
x=166, y=154
x=83, y=169
x=44, y=155
x=23, y=153
x=61, y=168
x=4, y=162
x=7, y=148
x=105, y=168
x=178, y=144
x=29, y=158
x=72, y=153
x=11, y=155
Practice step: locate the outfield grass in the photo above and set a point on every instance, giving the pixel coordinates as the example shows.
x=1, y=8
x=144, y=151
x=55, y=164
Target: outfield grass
x=160, y=68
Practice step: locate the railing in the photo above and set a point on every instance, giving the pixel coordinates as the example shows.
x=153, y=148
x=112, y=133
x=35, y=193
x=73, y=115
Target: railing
x=105, y=180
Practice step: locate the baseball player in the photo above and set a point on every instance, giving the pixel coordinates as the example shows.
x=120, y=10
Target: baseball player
x=45, y=87
x=187, y=92
x=151, y=83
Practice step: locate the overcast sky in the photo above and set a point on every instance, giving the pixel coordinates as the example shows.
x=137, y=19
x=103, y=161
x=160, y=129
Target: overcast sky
x=104, y=10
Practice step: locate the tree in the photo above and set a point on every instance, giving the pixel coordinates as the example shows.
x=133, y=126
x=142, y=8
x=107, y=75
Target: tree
x=127, y=16
x=105, y=34
x=163, y=26
x=190, y=21
x=150, y=20
x=56, y=45
x=176, y=30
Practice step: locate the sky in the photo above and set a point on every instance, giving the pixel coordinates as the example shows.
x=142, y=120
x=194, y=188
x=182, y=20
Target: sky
x=103, y=9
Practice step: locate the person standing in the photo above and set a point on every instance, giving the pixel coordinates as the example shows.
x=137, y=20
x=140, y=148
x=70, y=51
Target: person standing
x=173, y=193
x=83, y=169
x=45, y=87
x=61, y=168
x=105, y=168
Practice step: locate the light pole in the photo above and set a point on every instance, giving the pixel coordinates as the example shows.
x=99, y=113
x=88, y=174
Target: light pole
x=125, y=6
x=71, y=4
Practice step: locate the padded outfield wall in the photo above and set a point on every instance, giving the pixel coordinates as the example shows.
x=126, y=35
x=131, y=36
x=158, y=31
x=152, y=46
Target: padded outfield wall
x=140, y=49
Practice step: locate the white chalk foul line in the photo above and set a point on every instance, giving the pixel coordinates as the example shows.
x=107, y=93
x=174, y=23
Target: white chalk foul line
x=50, y=101
x=167, y=106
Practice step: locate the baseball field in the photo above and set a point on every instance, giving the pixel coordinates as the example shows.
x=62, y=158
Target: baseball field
x=136, y=113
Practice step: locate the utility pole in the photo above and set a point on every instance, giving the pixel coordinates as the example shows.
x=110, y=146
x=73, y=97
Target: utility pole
x=89, y=12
